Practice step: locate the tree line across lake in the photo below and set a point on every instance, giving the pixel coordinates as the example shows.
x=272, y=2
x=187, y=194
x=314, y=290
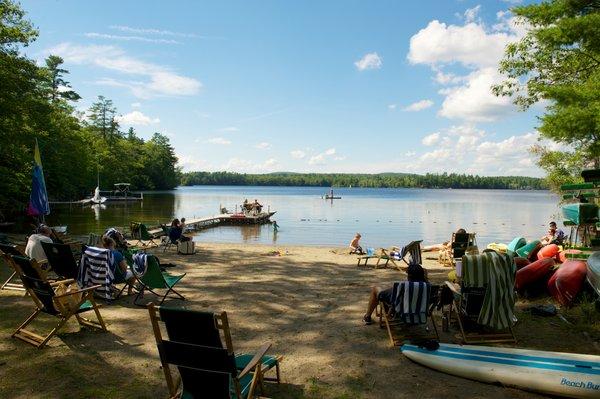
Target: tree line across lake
x=392, y=180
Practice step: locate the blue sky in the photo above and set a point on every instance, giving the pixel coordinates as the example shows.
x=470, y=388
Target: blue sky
x=332, y=86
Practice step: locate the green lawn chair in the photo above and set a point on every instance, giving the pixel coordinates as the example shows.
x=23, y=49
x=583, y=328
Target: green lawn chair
x=154, y=278
x=206, y=371
x=140, y=232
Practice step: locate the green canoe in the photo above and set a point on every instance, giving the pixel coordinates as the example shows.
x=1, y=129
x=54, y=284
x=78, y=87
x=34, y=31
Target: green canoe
x=580, y=213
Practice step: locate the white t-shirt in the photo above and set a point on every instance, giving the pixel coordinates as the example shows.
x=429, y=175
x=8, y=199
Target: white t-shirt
x=34, y=247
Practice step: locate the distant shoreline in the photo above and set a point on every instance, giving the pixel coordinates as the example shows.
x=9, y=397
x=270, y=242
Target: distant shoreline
x=349, y=180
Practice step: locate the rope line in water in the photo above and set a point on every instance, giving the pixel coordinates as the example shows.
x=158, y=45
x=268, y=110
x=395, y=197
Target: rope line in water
x=410, y=221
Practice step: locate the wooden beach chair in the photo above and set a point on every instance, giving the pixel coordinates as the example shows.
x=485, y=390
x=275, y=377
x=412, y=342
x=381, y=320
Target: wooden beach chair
x=484, y=300
x=205, y=371
x=411, y=308
x=62, y=306
x=461, y=244
x=153, y=278
x=61, y=260
x=13, y=282
x=412, y=251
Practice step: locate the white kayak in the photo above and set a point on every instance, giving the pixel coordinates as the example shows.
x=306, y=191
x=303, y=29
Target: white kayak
x=563, y=374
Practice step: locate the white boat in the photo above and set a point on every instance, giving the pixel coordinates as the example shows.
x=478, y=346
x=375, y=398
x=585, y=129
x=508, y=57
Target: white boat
x=97, y=199
x=554, y=373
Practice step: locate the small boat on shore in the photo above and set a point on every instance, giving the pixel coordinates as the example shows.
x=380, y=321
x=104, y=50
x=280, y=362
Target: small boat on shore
x=552, y=373
x=567, y=281
x=580, y=213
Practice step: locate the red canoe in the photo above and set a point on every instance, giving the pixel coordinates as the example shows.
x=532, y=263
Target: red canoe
x=566, y=283
x=521, y=262
x=533, y=272
x=564, y=255
x=548, y=251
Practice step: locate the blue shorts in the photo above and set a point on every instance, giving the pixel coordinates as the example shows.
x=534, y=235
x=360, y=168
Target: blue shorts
x=386, y=296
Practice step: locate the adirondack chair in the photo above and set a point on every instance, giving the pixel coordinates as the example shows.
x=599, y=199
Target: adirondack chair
x=411, y=307
x=484, y=299
x=205, y=371
x=62, y=306
x=13, y=282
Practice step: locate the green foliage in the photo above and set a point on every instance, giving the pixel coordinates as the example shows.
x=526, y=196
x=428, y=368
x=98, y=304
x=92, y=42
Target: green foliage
x=386, y=180
x=35, y=103
x=559, y=61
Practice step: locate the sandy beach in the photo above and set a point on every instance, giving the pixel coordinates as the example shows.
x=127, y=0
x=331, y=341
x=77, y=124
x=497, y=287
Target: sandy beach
x=308, y=302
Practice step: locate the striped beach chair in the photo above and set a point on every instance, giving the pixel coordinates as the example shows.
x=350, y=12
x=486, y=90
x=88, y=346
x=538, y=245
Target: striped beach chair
x=410, y=308
x=95, y=270
x=412, y=251
x=486, y=297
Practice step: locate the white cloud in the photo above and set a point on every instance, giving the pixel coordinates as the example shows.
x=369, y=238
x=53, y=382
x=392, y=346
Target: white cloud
x=136, y=105
x=136, y=118
x=410, y=154
x=471, y=13
x=339, y=158
x=392, y=106
x=369, y=61
x=149, y=80
x=298, y=154
x=476, y=48
x=95, y=35
x=191, y=164
x=321, y=159
x=151, y=31
x=431, y=139
x=467, y=130
x=440, y=154
x=469, y=45
x=419, y=106
x=263, y=146
x=474, y=100
x=219, y=141
x=245, y=165
x=230, y=129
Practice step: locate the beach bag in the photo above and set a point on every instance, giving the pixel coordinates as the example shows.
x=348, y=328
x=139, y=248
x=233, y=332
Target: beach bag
x=67, y=304
x=186, y=248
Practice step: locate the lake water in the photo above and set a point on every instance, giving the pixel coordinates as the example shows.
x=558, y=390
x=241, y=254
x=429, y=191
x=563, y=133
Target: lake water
x=384, y=217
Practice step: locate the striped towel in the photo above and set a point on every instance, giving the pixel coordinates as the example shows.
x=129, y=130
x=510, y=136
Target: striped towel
x=95, y=269
x=413, y=249
x=496, y=272
x=411, y=300
x=140, y=263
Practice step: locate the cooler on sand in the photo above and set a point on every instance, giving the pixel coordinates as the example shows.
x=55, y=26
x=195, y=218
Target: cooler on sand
x=186, y=247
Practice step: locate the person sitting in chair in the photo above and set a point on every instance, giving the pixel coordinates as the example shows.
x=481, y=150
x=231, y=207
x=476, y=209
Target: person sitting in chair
x=176, y=232
x=34, y=247
x=554, y=235
x=119, y=261
x=415, y=273
x=355, y=247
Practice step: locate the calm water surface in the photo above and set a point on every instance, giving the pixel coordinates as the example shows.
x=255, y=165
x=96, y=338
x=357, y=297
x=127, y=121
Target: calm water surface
x=384, y=217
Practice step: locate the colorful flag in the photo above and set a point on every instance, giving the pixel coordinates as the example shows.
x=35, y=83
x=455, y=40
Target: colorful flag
x=38, y=200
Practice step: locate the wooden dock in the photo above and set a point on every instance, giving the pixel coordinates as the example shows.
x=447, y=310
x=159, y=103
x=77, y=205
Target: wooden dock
x=223, y=218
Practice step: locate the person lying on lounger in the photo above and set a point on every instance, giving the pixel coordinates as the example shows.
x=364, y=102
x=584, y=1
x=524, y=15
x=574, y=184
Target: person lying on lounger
x=414, y=273
x=355, y=247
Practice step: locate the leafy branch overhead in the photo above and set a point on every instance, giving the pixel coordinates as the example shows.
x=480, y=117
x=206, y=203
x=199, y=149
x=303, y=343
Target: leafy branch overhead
x=558, y=63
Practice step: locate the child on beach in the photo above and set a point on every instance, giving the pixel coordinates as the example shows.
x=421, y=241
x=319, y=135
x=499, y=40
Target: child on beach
x=355, y=247
x=554, y=235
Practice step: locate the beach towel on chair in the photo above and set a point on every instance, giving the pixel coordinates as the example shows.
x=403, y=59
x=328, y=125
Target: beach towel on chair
x=496, y=272
x=413, y=249
x=95, y=269
x=411, y=300
x=140, y=263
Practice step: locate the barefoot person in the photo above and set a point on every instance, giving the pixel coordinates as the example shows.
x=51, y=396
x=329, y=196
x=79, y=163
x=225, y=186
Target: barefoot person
x=415, y=273
x=355, y=247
